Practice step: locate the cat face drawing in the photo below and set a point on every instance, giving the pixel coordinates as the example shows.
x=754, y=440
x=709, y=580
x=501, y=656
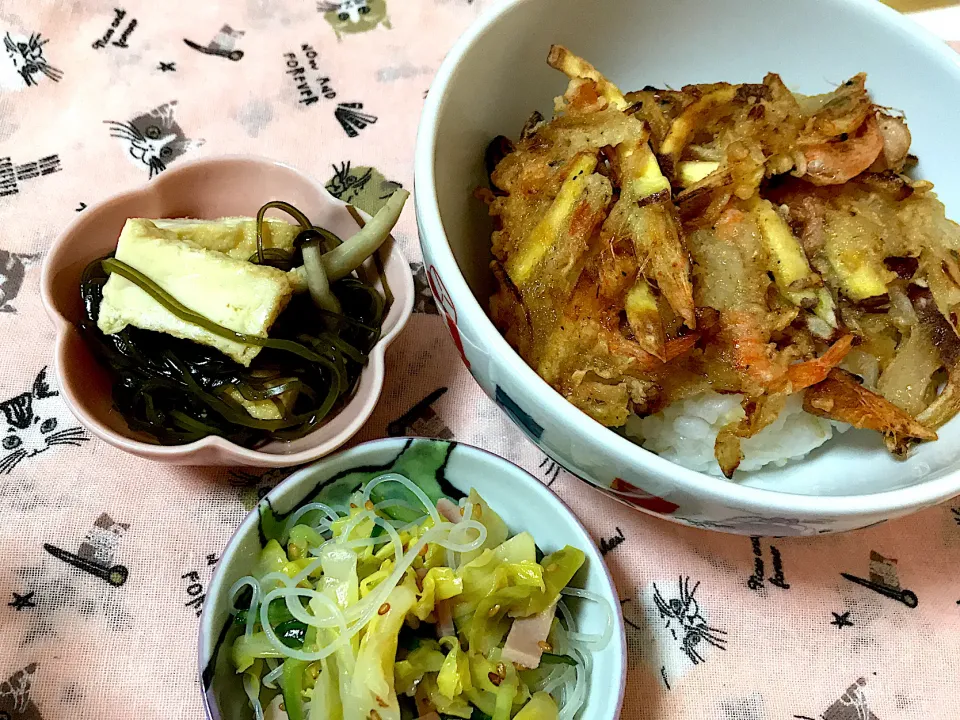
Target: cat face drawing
x=26, y=54
x=363, y=187
x=354, y=16
x=683, y=618
x=35, y=422
x=154, y=139
x=13, y=267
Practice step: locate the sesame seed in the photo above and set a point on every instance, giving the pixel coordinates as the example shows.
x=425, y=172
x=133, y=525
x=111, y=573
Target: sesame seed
x=384, y=609
x=368, y=505
x=545, y=646
x=494, y=610
x=494, y=678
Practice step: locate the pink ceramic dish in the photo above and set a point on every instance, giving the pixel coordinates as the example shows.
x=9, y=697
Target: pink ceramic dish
x=205, y=189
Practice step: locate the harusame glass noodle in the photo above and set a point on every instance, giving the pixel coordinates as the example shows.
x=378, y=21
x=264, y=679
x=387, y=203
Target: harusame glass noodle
x=398, y=609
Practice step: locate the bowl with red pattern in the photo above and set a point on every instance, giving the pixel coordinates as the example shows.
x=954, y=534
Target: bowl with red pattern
x=496, y=75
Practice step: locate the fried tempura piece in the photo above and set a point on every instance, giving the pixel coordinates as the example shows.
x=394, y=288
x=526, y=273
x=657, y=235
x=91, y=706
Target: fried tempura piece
x=840, y=112
x=834, y=163
x=575, y=67
x=560, y=215
x=789, y=265
x=644, y=210
x=643, y=314
x=775, y=224
x=942, y=337
x=696, y=115
x=810, y=372
x=594, y=366
x=650, y=217
x=841, y=397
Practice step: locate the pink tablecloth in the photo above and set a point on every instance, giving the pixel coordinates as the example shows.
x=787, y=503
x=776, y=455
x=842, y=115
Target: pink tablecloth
x=93, y=98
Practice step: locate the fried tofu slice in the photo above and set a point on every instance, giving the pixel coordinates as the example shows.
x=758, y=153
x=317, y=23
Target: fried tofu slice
x=233, y=236
x=233, y=293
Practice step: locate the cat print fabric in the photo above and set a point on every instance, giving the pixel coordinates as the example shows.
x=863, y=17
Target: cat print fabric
x=15, y=699
x=363, y=187
x=27, y=65
x=224, y=44
x=100, y=544
x=153, y=139
x=354, y=16
x=105, y=559
x=36, y=421
x=13, y=267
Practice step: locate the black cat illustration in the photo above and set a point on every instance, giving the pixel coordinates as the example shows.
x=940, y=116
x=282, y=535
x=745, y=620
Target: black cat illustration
x=36, y=422
x=12, y=269
x=154, y=139
x=15, y=702
x=26, y=54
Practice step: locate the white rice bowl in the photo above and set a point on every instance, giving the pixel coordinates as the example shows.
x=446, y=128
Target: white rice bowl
x=685, y=432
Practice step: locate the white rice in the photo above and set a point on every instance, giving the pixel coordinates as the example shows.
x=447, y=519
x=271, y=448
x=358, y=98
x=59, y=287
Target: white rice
x=685, y=432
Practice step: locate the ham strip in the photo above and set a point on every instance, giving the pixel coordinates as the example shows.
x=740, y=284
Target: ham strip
x=523, y=641
x=449, y=510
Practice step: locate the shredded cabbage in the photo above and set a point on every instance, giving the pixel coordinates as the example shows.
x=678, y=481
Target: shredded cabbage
x=346, y=599
x=408, y=673
x=454, y=676
x=373, y=681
